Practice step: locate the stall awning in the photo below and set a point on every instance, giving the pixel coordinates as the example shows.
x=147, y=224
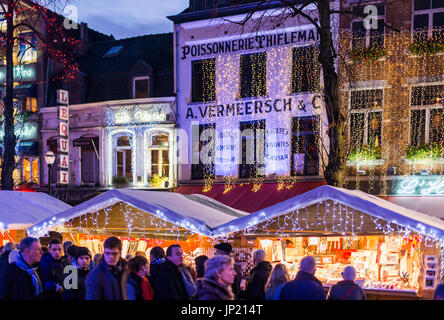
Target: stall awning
x=86, y=142
x=20, y=210
x=355, y=199
x=244, y=198
x=196, y=213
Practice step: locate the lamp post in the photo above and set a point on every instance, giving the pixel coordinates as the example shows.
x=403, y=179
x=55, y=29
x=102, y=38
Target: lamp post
x=50, y=158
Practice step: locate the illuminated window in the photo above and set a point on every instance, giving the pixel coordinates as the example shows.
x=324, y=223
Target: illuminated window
x=203, y=136
x=160, y=160
x=253, y=75
x=305, y=69
x=31, y=104
x=428, y=19
x=203, y=80
x=366, y=117
x=123, y=154
x=426, y=114
x=304, y=146
x=252, y=149
x=363, y=37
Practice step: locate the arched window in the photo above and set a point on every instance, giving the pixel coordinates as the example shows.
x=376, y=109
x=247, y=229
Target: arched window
x=123, y=156
x=159, y=152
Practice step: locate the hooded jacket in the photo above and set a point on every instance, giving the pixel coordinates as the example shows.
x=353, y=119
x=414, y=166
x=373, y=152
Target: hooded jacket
x=209, y=289
x=80, y=292
x=259, y=277
x=104, y=282
x=304, y=287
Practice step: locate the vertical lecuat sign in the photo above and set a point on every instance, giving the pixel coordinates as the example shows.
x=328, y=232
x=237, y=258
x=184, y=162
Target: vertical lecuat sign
x=63, y=101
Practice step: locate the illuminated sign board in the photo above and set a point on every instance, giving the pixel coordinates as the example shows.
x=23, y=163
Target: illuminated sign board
x=63, y=98
x=25, y=131
x=21, y=73
x=420, y=186
x=138, y=114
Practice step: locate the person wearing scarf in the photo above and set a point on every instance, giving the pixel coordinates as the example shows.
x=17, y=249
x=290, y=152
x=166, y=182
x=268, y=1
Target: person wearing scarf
x=138, y=286
x=22, y=280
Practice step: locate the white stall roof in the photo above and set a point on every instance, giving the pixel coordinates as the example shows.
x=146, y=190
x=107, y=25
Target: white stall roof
x=196, y=213
x=355, y=199
x=20, y=210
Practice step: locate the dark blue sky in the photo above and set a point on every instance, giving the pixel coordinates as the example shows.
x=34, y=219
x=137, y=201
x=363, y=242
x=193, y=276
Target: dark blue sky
x=129, y=18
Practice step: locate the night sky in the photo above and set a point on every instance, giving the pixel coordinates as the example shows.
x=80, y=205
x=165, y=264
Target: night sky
x=129, y=18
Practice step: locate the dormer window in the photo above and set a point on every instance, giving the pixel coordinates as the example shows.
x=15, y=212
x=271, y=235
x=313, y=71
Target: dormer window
x=141, y=87
x=114, y=51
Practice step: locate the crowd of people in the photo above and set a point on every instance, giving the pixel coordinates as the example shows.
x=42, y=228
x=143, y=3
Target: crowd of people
x=69, y=272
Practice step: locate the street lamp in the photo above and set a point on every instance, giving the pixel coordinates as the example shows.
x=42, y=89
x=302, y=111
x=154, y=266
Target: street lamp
x=50, y=158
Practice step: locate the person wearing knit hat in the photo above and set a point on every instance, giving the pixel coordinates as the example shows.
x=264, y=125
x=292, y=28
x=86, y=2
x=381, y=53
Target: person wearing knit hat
x=81, y=261
x=71, y=252
x=223, y=248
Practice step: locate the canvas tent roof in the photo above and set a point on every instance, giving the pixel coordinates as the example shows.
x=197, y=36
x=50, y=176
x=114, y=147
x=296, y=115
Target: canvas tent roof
x=355, y=199
x=196, y=213
x=20, y=210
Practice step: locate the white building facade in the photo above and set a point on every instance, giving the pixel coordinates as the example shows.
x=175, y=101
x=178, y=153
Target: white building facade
x=249, y=98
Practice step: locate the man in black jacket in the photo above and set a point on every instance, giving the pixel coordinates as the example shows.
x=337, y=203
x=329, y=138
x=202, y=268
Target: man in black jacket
x=105, y=281
x=166, y=280
x=259, y=277
x=52, y=266
x=22, y=279
x=347, y=289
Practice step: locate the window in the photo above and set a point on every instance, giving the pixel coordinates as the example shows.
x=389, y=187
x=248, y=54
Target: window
x=428, y=19
x=114, y=51
x=305, y=69
x=124, y=157
x=31, y=104
x=160, y=159
x=253, y=75
x=141, y=88
x=363, y=37
x=203, y=80
x=252, y=149
x=304, y=146
x=366, y=118
x=203, y=142
x=427, y=116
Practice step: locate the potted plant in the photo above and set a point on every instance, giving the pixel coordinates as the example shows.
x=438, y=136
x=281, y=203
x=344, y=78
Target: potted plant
x=425, y=152
x=120, y=181
x=365, y=153
x=367, y=56
x=427, y=47
x=157, y=181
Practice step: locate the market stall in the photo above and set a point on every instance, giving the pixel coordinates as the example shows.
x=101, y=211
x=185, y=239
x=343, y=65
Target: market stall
x=142, y=220
x=397, y=252
x=21, y=210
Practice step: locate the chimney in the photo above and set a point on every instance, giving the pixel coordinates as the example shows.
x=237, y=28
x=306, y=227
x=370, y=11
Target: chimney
x=83, y=31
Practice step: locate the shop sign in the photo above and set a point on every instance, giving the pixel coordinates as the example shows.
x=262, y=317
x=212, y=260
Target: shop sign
x=25, y=131
x=253, y=107
x=64, y=161
x=64, y=177
x=139, y=114
x=256, y=42
x=21, y=72
x=420, y=186
x=64, y=145
x=63, y=113
x=62, y=97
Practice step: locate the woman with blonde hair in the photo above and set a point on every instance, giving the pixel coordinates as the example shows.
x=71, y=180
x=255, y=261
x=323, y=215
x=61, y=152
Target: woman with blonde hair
x=278, y=279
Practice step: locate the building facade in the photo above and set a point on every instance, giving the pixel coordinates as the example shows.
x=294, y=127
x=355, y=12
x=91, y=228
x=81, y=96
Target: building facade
x=249, y=98
x=122, y=116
